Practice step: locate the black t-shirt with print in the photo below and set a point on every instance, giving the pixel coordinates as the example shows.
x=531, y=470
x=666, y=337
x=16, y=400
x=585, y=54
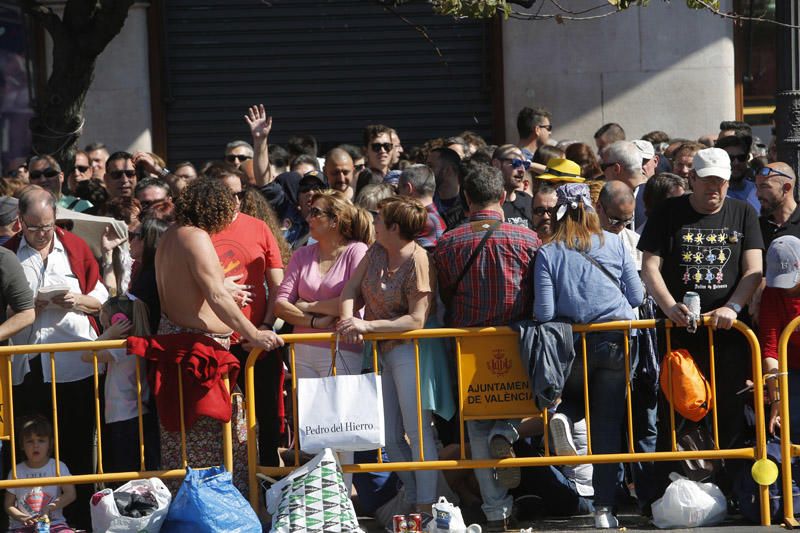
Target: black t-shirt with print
x=518, y=212
x=702, y=253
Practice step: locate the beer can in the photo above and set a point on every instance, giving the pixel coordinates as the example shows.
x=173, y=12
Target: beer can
x=414, y=523
x=692, y=301
x=399, y=524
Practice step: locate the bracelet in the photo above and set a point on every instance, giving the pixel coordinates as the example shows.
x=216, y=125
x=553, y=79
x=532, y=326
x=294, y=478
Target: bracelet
x=312, y=322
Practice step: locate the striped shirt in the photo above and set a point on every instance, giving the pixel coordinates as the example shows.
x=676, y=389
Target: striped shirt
x=498, y=288
x=434, y=228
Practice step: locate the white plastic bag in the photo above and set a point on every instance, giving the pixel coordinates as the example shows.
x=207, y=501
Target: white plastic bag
x=106, y=516
x=446, y=518
x=688, y=503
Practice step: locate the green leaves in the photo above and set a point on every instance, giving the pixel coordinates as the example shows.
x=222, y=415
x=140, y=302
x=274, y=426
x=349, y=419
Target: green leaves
x=471, y=8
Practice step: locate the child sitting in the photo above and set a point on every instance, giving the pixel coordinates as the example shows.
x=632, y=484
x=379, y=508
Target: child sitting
x=28, y=505
x=121, y=316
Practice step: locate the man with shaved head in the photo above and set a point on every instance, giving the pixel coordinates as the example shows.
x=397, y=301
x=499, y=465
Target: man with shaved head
x=615, y=208
x=340, y=171
x=775, y=185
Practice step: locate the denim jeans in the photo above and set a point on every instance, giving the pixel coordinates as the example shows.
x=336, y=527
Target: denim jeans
x=497, y=502
x=399, y=387
x=605, y=359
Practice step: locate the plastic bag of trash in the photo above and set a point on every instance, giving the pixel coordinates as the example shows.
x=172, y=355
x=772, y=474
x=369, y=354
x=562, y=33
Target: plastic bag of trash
x=140, y=505
x=688, y=503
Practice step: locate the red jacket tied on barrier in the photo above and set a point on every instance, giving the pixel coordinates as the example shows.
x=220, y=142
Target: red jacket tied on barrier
x=203, y=363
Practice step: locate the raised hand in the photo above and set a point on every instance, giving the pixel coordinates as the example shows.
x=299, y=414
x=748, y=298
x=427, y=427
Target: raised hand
x=260, y=124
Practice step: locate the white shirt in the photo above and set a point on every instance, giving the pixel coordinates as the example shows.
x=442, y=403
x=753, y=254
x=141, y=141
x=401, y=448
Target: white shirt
x=31, y=500
x=120, y=389
x=630, y=239
x=54, y=324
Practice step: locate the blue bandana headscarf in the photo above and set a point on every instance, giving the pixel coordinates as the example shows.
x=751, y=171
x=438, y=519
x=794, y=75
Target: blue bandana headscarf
x=569, y=195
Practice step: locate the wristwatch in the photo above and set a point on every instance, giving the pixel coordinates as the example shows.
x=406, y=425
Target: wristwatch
x=736, y=307
x=164, y=172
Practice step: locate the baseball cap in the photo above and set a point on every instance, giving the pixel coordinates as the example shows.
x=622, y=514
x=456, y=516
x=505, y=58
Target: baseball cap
x=783, y=262
x=8, y=210
x=562, y=170
x=712, y=162
x=311, y=181
x=645, y=148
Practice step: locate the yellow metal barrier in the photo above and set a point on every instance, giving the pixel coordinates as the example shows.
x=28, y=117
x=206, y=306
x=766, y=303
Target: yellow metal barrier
x=506, y=339
x=788, y=448
x=7, y=429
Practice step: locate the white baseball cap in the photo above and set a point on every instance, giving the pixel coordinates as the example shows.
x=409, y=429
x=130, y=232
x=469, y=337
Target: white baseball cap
x=712, y=162
x=646, y=149
x=783, y=262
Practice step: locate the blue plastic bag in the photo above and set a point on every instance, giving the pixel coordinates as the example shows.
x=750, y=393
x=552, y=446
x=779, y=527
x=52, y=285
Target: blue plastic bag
x=207, y=502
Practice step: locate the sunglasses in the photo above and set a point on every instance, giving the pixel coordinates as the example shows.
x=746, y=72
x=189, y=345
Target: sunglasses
x=360, y=167
x=241, y=194
x=316, y=212
x=766, y=172
x=376, y=147
x=604, y=166
x=81, y=168
x=542, y=211
x=47, y=173
x=231, y=158
x=619, y=221
x=519, y=163
x=117, y=174
x=548, y=127
x=742, y=158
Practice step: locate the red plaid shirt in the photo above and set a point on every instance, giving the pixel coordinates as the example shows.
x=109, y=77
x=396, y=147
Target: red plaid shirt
x=498, y=288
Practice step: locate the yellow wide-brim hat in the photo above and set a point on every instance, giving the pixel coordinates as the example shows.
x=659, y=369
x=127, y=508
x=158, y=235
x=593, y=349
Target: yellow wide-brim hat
x=562, y=170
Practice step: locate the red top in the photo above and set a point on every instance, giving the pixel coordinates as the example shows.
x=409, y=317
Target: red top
x=777, y=310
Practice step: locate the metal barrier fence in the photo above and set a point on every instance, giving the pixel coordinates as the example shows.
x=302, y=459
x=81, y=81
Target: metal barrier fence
x=7, y=429
x=789, y=450
x=502, y=343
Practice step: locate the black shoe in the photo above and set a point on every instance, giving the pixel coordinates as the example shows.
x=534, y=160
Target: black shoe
x=508, y=477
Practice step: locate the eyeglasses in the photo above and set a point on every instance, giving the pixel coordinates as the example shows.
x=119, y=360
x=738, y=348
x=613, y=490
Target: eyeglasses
x=766, y=172
x=619, y=221
x=519, y=163
x=22, y=168
x=316, y=212
x=36, y=229
x=241, y=194
x=47, y=173
x=604, y=166
x=117, y=174
x=542, y=211
x=376, y=147
x=241, y=158
x=81, y=168
x=359, y=168
x=548, y=127
x=742, y=158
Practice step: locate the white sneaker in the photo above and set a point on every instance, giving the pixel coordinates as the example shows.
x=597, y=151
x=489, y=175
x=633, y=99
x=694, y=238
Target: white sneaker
x=605, y=519
x=561, y=433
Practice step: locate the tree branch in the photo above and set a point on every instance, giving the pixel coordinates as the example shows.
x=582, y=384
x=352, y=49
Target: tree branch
x=107, y=23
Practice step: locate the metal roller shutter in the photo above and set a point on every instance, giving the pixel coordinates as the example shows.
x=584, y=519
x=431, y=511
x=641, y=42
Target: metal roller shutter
x=327, y=68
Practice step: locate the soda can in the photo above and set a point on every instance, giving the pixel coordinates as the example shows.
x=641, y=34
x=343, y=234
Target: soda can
x=399, y=524
x=414, y=523
x=692, y=301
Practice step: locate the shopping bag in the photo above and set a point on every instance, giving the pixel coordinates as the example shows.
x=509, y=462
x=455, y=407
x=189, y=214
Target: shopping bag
x=150, y=494
x=207, y=502
x=688, y=503
x=343, y=412
x=313, y=498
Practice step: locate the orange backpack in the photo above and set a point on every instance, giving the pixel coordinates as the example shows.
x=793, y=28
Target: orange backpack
x=691, y=394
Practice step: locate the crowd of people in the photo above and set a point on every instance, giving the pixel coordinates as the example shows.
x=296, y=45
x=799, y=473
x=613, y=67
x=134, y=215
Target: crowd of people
x=217, y=259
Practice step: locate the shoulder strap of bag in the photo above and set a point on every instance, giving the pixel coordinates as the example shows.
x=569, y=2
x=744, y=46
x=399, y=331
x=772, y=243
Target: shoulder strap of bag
x=603, y=269
x=474, y=255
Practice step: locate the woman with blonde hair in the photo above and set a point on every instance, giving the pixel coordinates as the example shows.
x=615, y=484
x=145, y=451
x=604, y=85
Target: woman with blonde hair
x=397, y=283
x=309, y=295
x=583, y=275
